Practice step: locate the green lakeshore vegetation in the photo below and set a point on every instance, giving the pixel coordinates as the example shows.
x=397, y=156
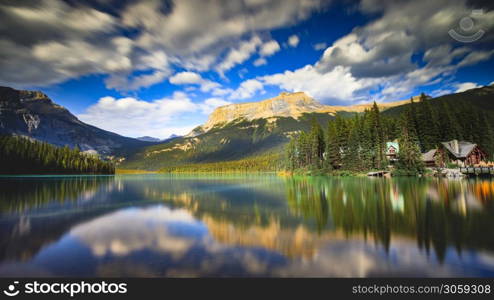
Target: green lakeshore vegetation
x=19, y=155
x=264, y=163
x=353, y=145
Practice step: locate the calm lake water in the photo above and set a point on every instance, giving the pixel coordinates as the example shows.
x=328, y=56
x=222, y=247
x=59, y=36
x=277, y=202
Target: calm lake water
x=245, y=225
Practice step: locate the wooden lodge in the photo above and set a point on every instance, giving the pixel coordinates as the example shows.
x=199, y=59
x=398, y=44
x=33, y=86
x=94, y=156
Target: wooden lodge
x=461, y=153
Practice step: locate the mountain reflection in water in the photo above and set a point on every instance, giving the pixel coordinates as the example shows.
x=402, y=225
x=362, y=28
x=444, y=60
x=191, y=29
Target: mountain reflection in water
x=245, y=225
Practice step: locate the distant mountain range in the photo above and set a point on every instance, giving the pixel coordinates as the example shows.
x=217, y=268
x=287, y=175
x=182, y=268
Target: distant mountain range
x=247, y=130
x=156, y=140
x=148, y=139
x=33, y=114
x=239, y=131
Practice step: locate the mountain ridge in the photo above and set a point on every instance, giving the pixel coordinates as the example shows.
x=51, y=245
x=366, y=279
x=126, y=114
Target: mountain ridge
x=35, y=115
x=286, y=104
x=239, y=139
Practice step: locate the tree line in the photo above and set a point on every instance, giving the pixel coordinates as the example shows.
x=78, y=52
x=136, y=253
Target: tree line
x=19, y=155
x=260, y=163
x=359, y=143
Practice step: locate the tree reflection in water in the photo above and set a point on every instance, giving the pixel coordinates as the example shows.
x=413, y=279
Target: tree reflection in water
x=438, y=213
x=245, y=225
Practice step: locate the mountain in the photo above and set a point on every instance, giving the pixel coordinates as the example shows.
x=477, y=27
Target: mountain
x=33, y=114
x=157, y=140
x=148, y=139
x=241, y=131
x=287, y=105
x=482, y=98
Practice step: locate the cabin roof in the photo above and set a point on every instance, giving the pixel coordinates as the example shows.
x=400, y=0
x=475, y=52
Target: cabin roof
x=429, y=155
x=393, y=144
x=460, y=149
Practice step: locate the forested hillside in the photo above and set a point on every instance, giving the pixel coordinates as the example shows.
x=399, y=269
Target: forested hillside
x=464, y=116
x=20, y=155
x=358, y=143
x=239, y=140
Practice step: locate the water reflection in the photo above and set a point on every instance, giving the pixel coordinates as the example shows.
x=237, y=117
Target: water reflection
x=258, y=225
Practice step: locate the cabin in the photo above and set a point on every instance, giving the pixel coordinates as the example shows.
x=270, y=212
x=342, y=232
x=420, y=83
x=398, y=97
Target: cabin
x=392, y=150
x=460, y=152
x=463, y=153
x=432, y=158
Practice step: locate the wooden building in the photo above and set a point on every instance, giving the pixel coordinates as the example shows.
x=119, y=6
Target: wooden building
x=392, y=150
x=463, y=153
x=460, y=152
x=432, y=158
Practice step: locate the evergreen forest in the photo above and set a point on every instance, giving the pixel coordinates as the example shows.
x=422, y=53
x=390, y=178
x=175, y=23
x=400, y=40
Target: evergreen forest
x=19, y=155
x=358, y=143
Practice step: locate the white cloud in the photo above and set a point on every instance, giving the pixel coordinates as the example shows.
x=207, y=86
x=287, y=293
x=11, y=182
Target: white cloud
x=266, y=49
x=247, y=89
x=385, y=46
x=336, y=84
x=54, y=41
x=191, y=26
x=194, y=78
x=186, y=78
x=124, y=83
x=320, y=46
x=269, y=48
x=239, y=54
x=132, y=117
x=475, y=57
x=461, y=87
x=381, y=51
x=293, y=41
x=221, y=91
x=260, y=61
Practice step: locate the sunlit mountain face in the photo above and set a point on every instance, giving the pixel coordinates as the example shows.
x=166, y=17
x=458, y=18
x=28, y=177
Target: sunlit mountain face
x=157, y=68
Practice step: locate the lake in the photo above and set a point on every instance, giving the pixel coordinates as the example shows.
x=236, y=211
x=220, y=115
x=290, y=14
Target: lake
x=245, y=225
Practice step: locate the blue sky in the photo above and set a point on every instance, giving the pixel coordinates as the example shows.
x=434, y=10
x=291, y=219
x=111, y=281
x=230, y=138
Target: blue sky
x=160, y=67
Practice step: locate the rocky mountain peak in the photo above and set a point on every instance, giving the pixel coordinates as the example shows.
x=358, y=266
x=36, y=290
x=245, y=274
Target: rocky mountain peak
x=283, y=105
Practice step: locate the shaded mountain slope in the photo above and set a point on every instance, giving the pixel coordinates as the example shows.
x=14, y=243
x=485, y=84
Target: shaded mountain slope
x=33, y=114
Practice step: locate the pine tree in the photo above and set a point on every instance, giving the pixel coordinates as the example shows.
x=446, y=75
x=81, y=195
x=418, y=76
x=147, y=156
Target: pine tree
x=410, y=157
x=333, y=154
x=352, y=155
x=317, y=144
x=291, y=155
x=376, y=131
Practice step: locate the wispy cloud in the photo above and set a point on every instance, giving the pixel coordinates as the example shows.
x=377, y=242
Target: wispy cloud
x=54, y=41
